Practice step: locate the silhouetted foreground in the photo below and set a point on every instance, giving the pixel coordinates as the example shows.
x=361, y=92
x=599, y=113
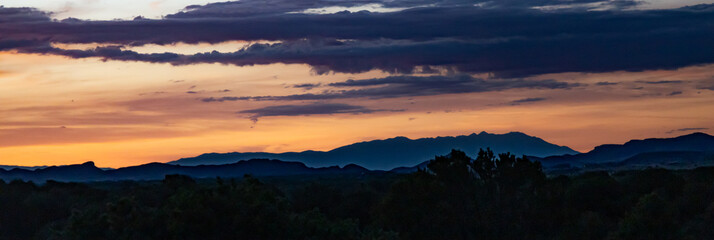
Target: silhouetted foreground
x=490, y=197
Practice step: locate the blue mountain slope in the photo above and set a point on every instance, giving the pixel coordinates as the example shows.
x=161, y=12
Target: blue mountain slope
x=695, y=142
x=396, y=152
x=79, y=172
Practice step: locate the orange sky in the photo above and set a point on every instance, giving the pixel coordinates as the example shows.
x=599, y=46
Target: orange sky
x=55, y=110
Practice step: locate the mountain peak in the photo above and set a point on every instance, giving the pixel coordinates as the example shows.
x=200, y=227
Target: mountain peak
x=88, y=164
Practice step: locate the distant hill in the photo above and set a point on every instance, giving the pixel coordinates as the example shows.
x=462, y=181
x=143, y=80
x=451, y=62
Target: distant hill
x=10, y=167
x=412, y=169
x=154, y=171
x=396, y=152
x=675, y=159
x=683, y=149
x=668, y=160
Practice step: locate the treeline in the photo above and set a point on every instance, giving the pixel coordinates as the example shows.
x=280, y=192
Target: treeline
x=456, y=197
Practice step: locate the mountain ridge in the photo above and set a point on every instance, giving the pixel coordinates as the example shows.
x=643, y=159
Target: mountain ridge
x=87, y=171
x=386, y=154
x=606, y=153
x=687, y=151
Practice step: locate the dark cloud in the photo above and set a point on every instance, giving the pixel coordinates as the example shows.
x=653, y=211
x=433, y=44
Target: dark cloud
x=527, y=100
x=675, y=93
x=310, y=109
x=512, y=58
x=408, y=86
x=12, y=44
x=16, y=15
x=437, y=21
x=507, y=38
x=223, y=99
x=606, y=83
x=687, y=130
x=253, y=8
x=307, y=86
x=662, y=82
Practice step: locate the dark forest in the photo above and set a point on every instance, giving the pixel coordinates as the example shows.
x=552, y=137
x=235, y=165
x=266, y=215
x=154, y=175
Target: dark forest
x=494, y=196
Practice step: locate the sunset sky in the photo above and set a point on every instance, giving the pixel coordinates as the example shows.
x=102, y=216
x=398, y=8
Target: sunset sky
x=129, y=82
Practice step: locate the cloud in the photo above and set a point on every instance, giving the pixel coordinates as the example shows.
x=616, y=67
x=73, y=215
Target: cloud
x=675, y=93
x=15, y=15
x=606, y=83
x=662, y=82
x=527, y=100
x=706, y=84
x=507, y=38
x=307, y=86
x=224, y=99
x=152, y=93
x=236, y=21
x=687, y=130
x=310, y=109
x=408, y=86
x=254, y=8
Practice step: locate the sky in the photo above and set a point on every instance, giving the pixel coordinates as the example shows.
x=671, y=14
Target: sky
x=129, y=82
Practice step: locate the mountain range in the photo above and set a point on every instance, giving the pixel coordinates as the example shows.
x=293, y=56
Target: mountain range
x=655, y=150
x=154, y=171
x=396, y=152
x=406, y=155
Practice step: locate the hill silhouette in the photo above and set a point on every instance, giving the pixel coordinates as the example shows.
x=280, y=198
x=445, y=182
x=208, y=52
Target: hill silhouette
x=155, y=171
x=10, y=167
x=396, y=152
x=684, y=148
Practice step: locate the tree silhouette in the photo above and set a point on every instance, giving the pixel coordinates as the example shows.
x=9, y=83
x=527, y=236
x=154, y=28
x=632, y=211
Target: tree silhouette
x=494, y=196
